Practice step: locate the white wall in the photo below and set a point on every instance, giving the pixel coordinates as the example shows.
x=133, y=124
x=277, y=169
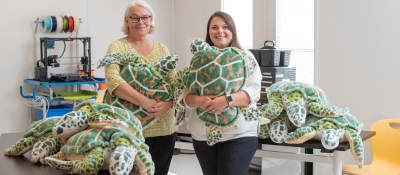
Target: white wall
x=17, y=53
x=101, y=20
x=176, y=21
x=190, y=21
x=358, y=60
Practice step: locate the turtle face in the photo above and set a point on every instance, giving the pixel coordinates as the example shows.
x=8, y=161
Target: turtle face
x=70, y=124
x=199, y=44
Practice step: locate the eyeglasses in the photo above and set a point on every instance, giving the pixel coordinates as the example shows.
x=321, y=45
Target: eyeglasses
x=137, y=19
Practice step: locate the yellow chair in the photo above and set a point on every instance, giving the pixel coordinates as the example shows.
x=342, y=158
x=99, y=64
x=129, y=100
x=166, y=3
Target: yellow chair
x=100, y=97
x=385, y=150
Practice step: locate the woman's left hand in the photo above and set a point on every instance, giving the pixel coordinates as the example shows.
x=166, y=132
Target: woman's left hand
x=160, y=109
x=215, y=106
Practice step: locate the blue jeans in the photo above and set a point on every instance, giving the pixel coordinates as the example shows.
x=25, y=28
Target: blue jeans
x=230, y=157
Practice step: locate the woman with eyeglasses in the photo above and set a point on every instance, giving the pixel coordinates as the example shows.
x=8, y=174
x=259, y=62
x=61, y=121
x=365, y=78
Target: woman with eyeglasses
x=139, y=21
x=233, y=153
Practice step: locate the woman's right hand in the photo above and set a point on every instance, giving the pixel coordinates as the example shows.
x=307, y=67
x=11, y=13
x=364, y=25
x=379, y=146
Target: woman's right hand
x=148, y=103
x=196, y=101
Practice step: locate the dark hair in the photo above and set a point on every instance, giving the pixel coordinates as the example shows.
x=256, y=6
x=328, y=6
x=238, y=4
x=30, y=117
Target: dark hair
x=231, y=26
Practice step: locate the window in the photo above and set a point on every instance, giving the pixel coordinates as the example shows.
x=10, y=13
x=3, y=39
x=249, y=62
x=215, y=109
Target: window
x=295, y=31
x=243, y=16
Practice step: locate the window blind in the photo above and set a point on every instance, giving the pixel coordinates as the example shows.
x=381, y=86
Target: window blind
x=295, y=31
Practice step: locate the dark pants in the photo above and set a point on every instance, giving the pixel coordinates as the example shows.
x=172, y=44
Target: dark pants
x=161, y=150
x=231, y=157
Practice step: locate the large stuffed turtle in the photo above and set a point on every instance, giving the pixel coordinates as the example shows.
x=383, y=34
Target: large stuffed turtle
x=217, y=72
x=331, y=131
x=299, y=99
x=145, y=78
x=38, y=138
x=99, y=115
x=276, y=128
x=91, y=150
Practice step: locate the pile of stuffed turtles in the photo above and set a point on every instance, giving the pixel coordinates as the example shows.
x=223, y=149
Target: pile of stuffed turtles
x=93, y=137
x=299, y=112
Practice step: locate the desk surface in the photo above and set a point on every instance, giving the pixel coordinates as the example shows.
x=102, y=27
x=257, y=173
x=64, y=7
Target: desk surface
x=11, y=165
x=314, y=144
x=311, y=144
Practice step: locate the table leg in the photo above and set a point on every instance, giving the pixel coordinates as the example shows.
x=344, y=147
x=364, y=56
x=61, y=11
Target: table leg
x=308, y=166
x=337, y=163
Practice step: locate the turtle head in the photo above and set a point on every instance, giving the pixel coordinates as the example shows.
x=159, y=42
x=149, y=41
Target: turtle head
x=198, y=44
x=166, y=64
x=331, y=137
x=70, y=124
x=119, y=58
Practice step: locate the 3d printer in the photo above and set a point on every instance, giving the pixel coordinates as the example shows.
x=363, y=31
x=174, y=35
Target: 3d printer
x=41, y=69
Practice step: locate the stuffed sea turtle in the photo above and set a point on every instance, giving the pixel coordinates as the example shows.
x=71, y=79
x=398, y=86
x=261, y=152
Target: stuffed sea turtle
x=277, y=128
x=217, y=72
x=94, y=149
x=38, y=138
x=331, y=131
x=147, y=79
x=99, y=115
x=299, y=99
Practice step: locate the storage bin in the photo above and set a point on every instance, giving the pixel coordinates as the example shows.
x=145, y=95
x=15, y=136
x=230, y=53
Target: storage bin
x=266, y=57
x=284, y=58
x=57, y=110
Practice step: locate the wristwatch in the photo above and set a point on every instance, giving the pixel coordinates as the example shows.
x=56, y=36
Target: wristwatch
x=229, y=99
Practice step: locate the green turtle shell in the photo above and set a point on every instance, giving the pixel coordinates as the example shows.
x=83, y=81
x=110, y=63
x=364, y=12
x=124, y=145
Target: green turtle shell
x=94, y=137
x=115, y=112
x=147, y=81
x=346, y=120
x=41, y=127
x=145, y=78
x=310, y=92
x=214, y=71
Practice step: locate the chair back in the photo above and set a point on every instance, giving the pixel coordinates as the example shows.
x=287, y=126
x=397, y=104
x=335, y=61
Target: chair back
x=386, y=143
x=100, y=97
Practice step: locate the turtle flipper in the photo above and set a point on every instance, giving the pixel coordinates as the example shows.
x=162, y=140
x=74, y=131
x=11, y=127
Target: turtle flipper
x=143, y=161
x=250, y=114
x=21, y=146
x=45, y=147
x=61, y=164
x=274, y=106
x=264, y=128
x=296, y=113
x=278, y=131
x=122, y=159
x=301, y=135
x=264, y=132
x=322, y=110
x=70, y=124
x=330, y=138
x=91, y=162
x=59, y=156
x=356, y=146
x=214, y=135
